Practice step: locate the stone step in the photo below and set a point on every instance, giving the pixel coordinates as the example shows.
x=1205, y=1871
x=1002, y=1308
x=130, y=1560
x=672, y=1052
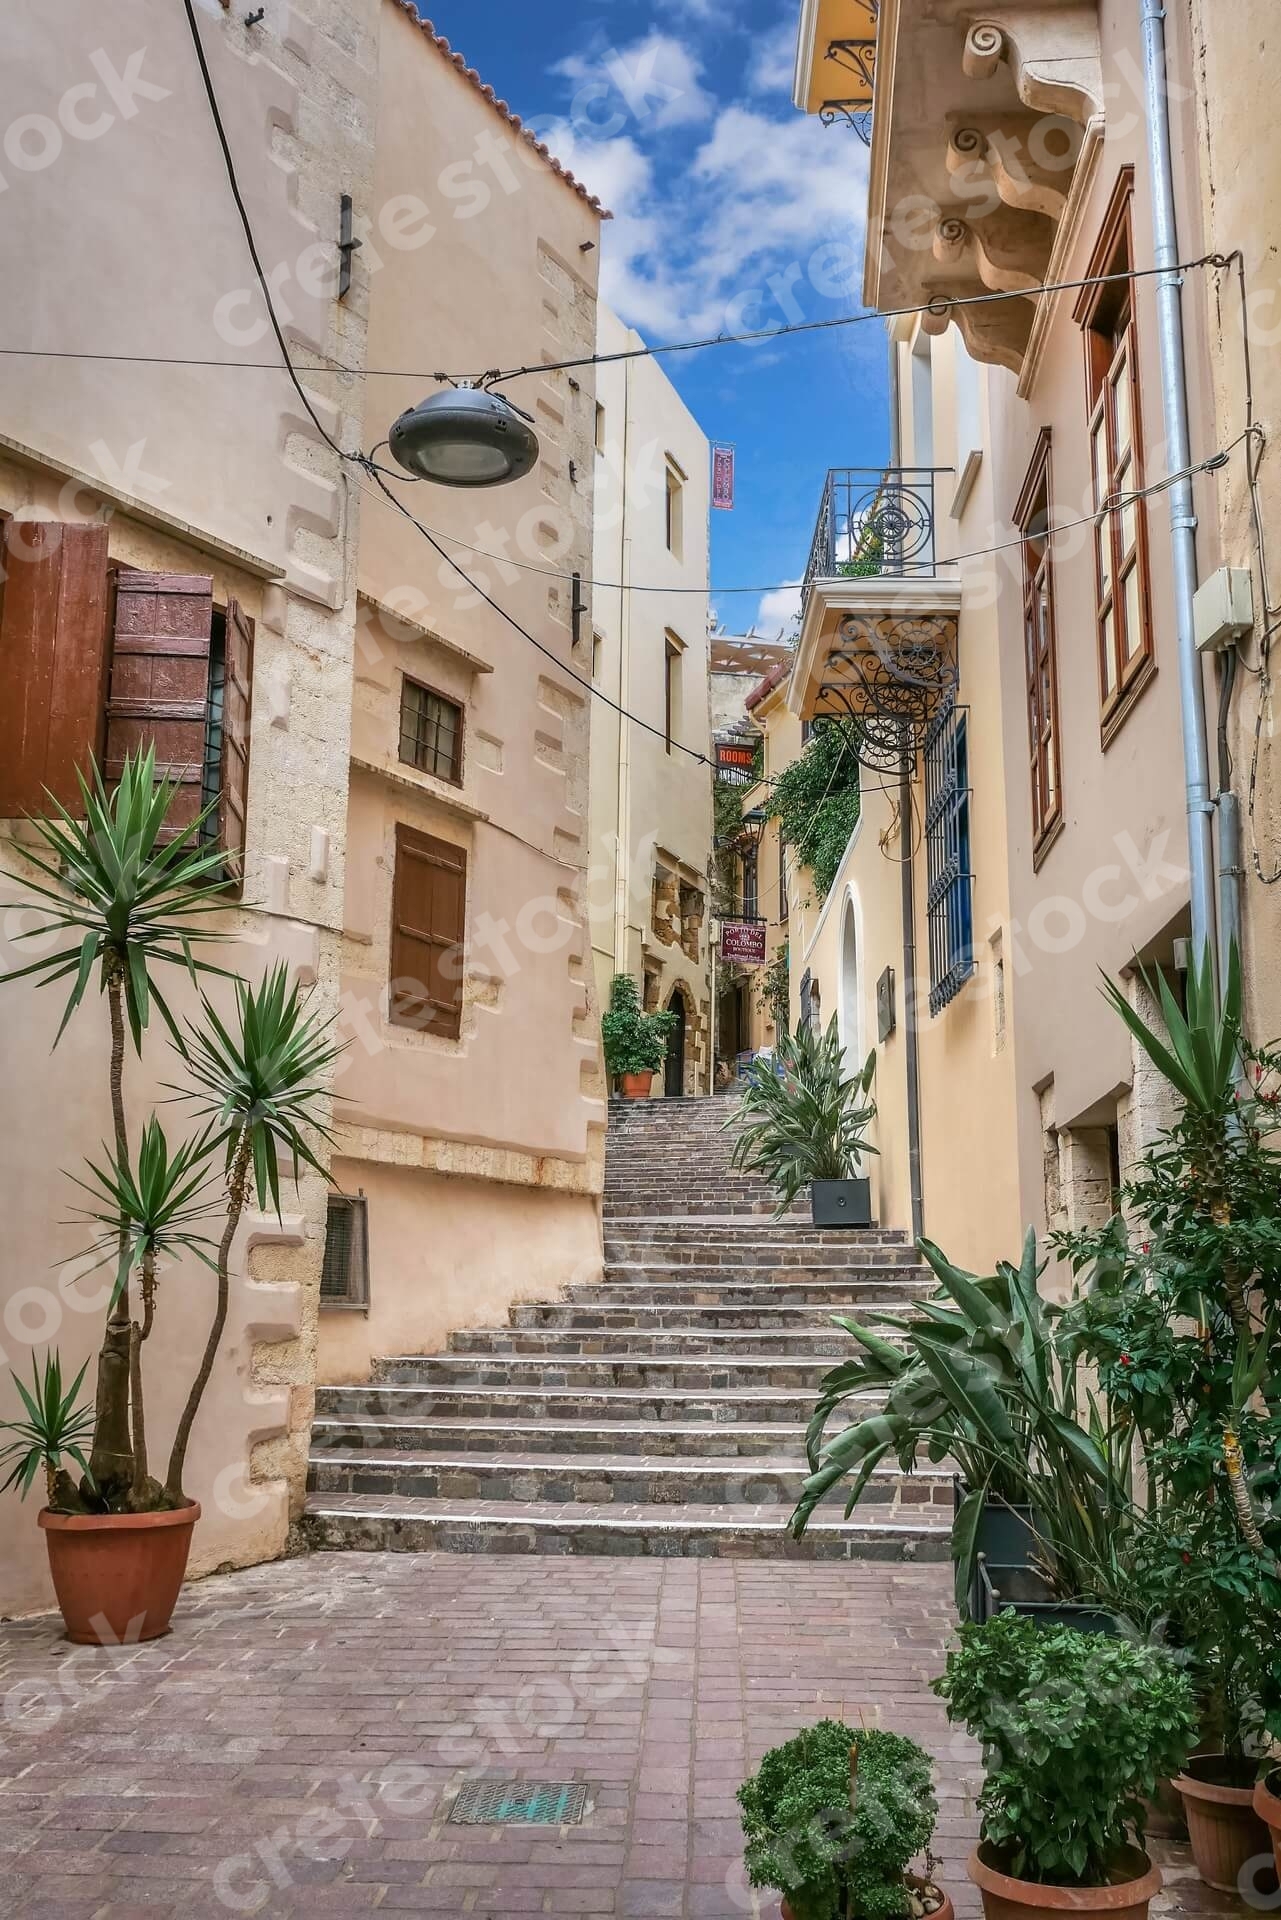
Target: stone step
x=613, y=1342
x=476, y=1436
x=381, y=1522
x=625, y=1255
x=609, y=1479
x=596, y=1310
x=581, y=1404
x=674, y=1371
x=729, y=1228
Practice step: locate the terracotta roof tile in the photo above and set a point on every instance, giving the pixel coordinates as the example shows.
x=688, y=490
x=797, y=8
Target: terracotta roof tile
x=768, y=684
x=513, y=120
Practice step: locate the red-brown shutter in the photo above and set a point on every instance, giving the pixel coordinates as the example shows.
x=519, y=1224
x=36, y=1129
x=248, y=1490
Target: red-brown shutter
x=53, y=655
x=237, y=703
x=160, y=679
x=429, y=898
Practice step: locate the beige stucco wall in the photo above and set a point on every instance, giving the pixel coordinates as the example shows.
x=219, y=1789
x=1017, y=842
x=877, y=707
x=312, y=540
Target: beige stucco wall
x=199, y=469
x=481, y=256
x=1233, y=67
x=650, y=808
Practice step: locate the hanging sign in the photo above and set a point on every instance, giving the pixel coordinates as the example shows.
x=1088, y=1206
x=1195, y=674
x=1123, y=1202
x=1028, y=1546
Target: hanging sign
x=723, y=477
x=743, y=942
x=736, y=761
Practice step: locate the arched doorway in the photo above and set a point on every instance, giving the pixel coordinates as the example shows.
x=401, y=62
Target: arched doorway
x=850, y=1010
x=674, y=1066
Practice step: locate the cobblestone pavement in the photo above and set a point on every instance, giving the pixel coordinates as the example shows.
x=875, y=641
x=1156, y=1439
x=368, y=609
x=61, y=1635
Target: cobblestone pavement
x=295, y=1745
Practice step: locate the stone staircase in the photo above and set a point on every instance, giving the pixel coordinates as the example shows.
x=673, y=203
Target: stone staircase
x=660, y=1410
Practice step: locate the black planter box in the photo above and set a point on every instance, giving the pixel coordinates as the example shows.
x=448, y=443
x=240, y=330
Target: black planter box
x=1005, y=1536
x=1022, y=1590
x=841, y=1203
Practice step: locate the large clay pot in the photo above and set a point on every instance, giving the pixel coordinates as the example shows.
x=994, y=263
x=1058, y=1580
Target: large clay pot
x=946, y=1912
x=1126, y=1897
x=118, y=1575
x=1267, y=1804
x=635, y=1086
x=1224, y=1830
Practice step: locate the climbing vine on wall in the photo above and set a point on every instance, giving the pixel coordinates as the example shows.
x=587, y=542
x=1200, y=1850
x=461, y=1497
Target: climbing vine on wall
x=817, y=800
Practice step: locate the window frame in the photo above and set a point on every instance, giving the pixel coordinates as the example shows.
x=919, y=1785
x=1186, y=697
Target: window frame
x=1108, y=317
x=1040, y=650
x=416, y=844
x=674, y=507
x=455, y=777
x=949, y=844
x=673, y=654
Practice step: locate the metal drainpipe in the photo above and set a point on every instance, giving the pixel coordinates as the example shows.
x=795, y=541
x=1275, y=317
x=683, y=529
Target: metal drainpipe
x=907, y=875
x=1169, y=295
x=1231, y=870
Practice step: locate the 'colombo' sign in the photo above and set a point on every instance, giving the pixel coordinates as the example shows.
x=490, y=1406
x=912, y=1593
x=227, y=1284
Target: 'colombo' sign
x=743, y=942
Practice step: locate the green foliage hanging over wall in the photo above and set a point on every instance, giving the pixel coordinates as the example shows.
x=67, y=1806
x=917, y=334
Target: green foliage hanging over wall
x=816, y=800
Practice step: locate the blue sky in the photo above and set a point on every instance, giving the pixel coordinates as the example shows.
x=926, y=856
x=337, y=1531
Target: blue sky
x=732, y=211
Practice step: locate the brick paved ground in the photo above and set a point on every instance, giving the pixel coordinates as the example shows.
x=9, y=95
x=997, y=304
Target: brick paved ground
x=294, y=1746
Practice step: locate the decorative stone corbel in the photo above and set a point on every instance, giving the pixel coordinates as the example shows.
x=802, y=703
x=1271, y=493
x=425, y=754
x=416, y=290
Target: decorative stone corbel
x=1026, y=159
x=1051, y=50
x=995, y=331
x=1010, y=250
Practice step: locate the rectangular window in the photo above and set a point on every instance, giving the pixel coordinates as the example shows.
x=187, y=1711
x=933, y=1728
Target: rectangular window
x=950, y=882
x=1032, y=517
x=600, y=428
x=1123, y=609
x=751, y=885
x=429, y=898
x=672, y=651
x=55, y=646
x=431, y=732
x=344, y=1278
x=674, y=491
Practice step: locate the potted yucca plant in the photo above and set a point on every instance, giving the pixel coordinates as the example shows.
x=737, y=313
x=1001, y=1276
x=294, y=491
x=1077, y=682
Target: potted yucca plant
x=803, y=1122
x=130, y=897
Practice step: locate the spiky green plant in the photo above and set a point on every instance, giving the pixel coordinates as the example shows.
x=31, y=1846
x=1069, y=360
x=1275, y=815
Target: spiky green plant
x=129, y=894
x=259, y=1085
x=803, y=1116
x=55, y=1429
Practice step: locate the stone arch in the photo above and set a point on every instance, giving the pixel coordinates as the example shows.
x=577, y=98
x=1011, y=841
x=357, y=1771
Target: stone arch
x=676, y=1066
x=850, y=998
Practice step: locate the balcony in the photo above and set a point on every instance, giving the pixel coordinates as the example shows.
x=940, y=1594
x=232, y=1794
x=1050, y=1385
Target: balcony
x=879, y=611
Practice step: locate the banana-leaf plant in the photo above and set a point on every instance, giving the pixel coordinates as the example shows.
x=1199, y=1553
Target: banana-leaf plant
x=804, y=1116
x=975, y=1378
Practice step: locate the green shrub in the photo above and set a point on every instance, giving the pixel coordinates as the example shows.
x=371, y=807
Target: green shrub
x=1076, y=1731
x=805, y=1839
x=634, y=1041
x=816, y=801
x=803, y=1116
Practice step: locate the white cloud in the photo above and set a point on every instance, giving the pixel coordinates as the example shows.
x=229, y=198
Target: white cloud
x=778, y=611
x=772, y=65
x=651, y=84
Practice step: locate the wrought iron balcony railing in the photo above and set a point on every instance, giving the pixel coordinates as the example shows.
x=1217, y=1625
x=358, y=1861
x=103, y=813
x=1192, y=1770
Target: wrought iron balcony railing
x=875, y=521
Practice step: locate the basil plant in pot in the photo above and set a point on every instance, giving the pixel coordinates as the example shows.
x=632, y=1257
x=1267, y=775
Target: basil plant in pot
x=833, y=1820
x=803, y=1122
x=635, y=1042
x=125, y=895
x=1077, y=1730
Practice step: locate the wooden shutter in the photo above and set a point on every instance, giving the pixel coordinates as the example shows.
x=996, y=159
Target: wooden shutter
x=53, y=656
x=233, y=773
x=160, y=679
x=429, y=898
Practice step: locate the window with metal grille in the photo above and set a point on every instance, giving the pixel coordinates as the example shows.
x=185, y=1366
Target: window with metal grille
x=344, y=1279
x=431, y=732
x=950, y=895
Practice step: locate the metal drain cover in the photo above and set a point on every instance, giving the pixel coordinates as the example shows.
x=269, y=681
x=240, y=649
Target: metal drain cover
x=503, y=1803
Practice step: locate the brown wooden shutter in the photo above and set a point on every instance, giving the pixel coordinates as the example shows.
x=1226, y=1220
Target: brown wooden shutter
x=160, y=679
x=429, y=898
x=237, y=704
x=53, y=656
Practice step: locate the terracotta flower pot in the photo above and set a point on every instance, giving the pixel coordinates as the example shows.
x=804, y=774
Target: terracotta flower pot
x=946, y=1912
x=1223, y=1827
x=118, y=1575
x=1267, y=1804
x=1126, y=1897
x=635, y=1085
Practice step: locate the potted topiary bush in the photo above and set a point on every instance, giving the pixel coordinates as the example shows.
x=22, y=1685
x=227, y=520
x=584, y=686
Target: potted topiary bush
x=635, y=1042
x=1077, y=1729
x=833, y=1820
x=124, y=894
x=803, y=1121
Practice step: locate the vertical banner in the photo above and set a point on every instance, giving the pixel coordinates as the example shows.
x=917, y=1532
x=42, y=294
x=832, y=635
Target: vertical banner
x=723, y=477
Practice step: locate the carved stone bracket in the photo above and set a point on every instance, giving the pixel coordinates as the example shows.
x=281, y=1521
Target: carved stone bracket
x=1052, y=52
x=1026, y=159
x=1009, y=250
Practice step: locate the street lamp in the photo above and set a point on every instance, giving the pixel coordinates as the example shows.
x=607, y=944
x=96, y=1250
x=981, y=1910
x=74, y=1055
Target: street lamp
x=465, y=437
x=754, y=824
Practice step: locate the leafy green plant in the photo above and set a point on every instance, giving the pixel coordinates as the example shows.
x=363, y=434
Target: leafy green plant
x=833, y=1818
x=1076, y=1729
x=817, y=801
x=634, y=1041
x=803, y=1116
x=55, y=1429
x=976, y=1376
x=774, y=989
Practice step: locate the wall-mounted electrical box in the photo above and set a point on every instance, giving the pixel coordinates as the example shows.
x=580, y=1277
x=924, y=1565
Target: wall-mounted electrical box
x=1224, y=609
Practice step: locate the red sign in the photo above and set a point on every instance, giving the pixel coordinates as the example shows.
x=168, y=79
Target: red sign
x=733, y=757
x=743, y=942
x=723, y=477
